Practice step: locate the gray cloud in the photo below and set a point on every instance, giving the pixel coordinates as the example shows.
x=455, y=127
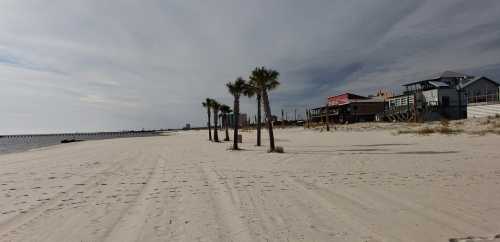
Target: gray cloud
x=111, y=65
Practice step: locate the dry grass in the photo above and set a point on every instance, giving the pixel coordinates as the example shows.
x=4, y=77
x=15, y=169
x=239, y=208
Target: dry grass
x=496, y=125
x=482, y=132
x=476, y=126
x=448, y=130
x=486, y=122
x=429, y=130
x=405, y=131
x=425, y=131
x=478, y=132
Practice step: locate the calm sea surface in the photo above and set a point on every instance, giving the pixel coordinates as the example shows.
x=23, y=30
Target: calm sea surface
x=18, y=143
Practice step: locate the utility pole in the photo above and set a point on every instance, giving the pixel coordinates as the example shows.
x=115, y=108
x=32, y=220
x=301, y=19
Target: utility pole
x=459, y=91
x=307, y=118
x=282, y=118
x=415, y=112
x=326, y=118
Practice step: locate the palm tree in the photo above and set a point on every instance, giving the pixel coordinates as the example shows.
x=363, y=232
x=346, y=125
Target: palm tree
x=250, y=91
x=236, y=88
x=207, y=104
x=215, y=108
x=266, y=80
x=225, y=110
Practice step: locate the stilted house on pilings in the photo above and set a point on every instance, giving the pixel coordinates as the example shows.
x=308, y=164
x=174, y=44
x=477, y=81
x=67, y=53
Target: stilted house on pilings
x=444, y=95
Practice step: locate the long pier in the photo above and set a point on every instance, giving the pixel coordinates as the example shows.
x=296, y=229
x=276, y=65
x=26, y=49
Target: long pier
x=89, y=134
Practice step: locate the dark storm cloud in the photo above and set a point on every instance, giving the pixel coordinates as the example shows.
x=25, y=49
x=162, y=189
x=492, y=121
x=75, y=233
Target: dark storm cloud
x=148, y=64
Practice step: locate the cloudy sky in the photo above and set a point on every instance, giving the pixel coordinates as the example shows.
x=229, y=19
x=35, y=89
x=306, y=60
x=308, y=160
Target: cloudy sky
x=85, y=65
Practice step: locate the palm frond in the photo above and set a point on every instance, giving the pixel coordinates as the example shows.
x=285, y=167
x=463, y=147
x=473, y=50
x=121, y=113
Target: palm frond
x=265, y=78
x=215, y=104
x=237, y=87
x=225, y=109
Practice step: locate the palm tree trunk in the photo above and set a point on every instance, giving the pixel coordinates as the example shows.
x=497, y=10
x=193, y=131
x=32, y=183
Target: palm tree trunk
x=216, y=118
x=208, y=124
x=236, y=121
x=267, y=109
x=259, y=125
x=226, y=120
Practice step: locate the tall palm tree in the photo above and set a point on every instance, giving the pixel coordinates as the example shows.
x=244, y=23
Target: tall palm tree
x=225, y=110
x=207, y=104
x=250, y=91
x=236, y=88
x=215, y=108
x=266, y=80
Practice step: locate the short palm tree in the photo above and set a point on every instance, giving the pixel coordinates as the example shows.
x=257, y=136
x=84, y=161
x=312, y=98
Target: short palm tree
x=215, y=108
x=225, y=110
x=236, y=88
x=207, y=104
x=252, y=90
x=266, y=80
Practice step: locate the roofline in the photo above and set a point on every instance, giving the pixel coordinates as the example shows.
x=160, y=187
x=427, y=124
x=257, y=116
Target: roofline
x=437, y=78
x=348, y=93
x=418, y=82
x=479, y=78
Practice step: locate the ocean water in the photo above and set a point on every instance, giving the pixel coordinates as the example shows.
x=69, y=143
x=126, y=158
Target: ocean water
x=18, y=143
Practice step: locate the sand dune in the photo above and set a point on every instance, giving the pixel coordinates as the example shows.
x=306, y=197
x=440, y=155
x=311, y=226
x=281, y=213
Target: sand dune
x=339, y=186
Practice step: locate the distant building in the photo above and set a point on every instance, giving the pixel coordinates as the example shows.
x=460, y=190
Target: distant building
x=243, y=120
x=349, y=108
x=187, y=127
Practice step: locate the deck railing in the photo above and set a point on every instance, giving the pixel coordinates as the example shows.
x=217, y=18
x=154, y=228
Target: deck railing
x=482, y=99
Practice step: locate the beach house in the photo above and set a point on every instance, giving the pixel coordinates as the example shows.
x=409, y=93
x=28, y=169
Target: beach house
x=445, y=95
x=349, y=108
x=482, y=96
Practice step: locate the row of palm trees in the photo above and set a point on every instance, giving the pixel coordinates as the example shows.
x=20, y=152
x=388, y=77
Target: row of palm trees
x=216, y=107
x=261, y=81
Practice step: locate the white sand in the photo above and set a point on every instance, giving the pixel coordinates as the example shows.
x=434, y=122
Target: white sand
x=342, y=186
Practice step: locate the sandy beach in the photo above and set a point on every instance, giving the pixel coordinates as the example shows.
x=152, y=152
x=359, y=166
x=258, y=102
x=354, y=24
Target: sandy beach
x=338, y=186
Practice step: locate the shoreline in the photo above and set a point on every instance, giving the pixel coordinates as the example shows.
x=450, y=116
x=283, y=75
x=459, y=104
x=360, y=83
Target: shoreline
x=20, y=143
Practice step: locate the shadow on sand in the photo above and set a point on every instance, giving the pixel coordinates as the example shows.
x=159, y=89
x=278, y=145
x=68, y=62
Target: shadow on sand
x=366, y=152
x=375, y=145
